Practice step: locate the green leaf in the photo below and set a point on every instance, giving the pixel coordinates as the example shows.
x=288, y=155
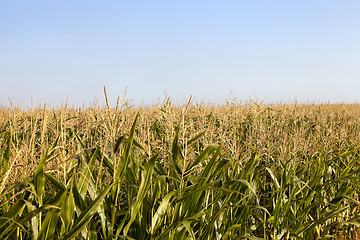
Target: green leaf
x=86, y=178
x=144, y=186
x=54, y=181
x=39, y=178
x=107, y=163
x=118, y=143
x=78, y=199
x=67, y=210
x=87, y=214
x=204, y=155
x=188, y=228
x=194, y=139
x=273, y=177
x=175, y=154
x=157, y=218
x=48, y=227
x=14, y=211
x=125, y=157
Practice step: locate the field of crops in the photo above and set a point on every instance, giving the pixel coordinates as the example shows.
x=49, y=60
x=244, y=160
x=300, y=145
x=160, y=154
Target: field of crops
x=235, y=171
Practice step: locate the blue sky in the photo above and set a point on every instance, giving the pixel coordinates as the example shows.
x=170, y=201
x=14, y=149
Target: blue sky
x=281, y=50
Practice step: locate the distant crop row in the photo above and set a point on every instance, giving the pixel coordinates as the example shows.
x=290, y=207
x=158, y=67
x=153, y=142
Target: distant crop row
x=250, y=171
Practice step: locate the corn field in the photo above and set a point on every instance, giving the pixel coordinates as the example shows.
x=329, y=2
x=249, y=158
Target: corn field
x=193, y=171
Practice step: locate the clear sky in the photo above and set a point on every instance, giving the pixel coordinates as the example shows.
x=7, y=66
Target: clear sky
x=281, y=50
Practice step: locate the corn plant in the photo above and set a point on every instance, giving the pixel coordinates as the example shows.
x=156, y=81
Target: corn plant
x=180, y=172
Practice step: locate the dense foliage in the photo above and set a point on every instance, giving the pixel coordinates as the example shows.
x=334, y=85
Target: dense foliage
x=251, y=171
